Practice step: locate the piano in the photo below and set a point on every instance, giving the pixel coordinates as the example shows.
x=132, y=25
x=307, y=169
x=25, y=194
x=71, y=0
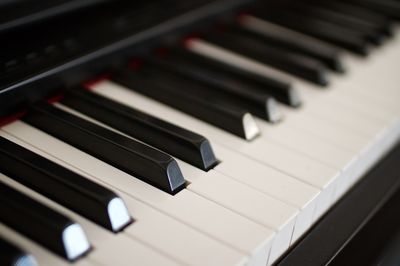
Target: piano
x=203, y=132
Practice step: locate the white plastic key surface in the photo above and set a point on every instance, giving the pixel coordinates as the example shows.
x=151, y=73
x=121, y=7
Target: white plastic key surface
x=241, y=234
x=318, y=127
x=346, y=162
x=352, y=99
x=246, y=201
x=271, y=182
x=162, y=232
x=311, y=146
x=192, y=208
x=367, y=126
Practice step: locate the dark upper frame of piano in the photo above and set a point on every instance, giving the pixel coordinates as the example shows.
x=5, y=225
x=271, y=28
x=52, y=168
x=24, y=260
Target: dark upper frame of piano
x=333, y=240
x=87, y=52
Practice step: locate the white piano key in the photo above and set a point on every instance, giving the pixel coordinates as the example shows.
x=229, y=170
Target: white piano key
x=197, y=212
x=377, y=96
x=362, y=104
x=163, y=232
x=382, y=63
x=303, y=142
x=373, y=147
x=108, y=248
x=376, y=78
x=346, y=97
x=341, y=114
x=345, y=161
x=227, y=226
x=381, y=146
x=172, y=237
x=246, y=201
x=126, y=251
x=297, y=165
x=368, y=150
x=271, y=182
x=323, y=129
x=374, y=92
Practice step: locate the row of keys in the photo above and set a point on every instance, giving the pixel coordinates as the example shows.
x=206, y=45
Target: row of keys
x=241, y=189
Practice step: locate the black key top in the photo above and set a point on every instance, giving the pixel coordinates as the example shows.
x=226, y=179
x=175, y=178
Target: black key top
x=236, y=121
x=325, y=31
x=131, y=156
x=282, y=91
x=43, y=225
x=11, y=255
x=177, y=141
x=214, y=86
x=305, y=46
x=78, y=193
x=293, y=63
x=384, y=24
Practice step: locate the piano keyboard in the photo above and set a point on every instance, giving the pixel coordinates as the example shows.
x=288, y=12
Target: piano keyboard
x=221, y=149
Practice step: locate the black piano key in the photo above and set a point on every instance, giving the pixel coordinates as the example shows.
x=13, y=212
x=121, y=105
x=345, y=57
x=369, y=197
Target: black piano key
x=366, y=29
x=43, y=225
x=177, y=141
x=388, y=8
x=11, y=255
x=236, y=121
x=214, y=86
x=385, y=25
x=316, y=50
x=79, y=194
x=131, y=156
x=280, y=90
x=290, y=62
x=336, y=35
